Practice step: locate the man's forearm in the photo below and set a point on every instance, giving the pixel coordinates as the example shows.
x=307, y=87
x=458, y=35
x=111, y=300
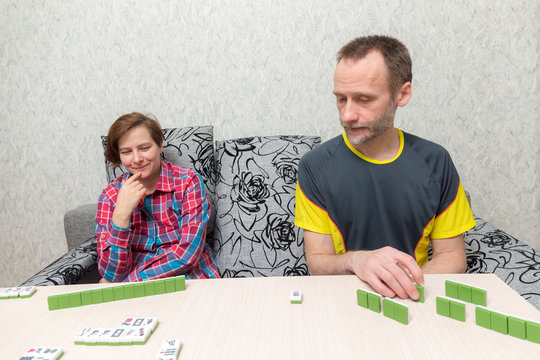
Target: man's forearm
x=448, y=256
x=330, y=264
x=446, y=263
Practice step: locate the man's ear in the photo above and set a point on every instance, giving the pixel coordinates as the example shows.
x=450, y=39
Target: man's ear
x=404, y=94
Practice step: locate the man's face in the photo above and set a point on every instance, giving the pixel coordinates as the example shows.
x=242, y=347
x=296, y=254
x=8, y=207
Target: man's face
x=363, y=97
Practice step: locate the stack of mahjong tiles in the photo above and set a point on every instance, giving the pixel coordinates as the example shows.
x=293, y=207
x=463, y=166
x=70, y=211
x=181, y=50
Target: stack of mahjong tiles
x=42, y=353
x=17, y=292
x=116, y=292
x=133, y=331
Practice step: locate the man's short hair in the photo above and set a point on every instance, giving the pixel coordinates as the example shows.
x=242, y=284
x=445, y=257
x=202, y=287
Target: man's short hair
x=395, y=54
x=122, y=125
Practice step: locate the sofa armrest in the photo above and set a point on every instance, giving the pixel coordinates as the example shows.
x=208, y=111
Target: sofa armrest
x=74, y=266
x=490, y=250
x=79, y=225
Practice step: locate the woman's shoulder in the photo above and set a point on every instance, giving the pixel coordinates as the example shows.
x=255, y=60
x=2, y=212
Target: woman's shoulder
x=111, y=190
x=180, y=177
x=176, y=171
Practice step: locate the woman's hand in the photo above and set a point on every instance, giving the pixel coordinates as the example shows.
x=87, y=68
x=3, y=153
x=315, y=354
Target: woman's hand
x=130, y=194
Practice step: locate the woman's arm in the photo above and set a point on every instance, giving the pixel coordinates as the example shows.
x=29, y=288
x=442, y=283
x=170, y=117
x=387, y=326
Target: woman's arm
x=113, y=228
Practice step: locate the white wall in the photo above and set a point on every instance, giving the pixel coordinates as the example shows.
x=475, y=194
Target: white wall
x=70, y=68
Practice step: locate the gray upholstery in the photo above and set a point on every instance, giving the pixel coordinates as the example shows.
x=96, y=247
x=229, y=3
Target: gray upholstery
x=71, y=268
x=79, y=225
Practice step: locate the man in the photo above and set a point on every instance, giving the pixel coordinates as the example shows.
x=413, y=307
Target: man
x=372, y=200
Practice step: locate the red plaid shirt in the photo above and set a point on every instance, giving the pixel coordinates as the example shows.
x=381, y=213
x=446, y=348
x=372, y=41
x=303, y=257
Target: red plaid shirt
x=167, y=233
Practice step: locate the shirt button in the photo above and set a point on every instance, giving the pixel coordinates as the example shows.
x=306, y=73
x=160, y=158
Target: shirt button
x=103, y=236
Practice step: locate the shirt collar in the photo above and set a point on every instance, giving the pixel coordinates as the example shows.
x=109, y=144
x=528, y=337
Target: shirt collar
x=165, y=182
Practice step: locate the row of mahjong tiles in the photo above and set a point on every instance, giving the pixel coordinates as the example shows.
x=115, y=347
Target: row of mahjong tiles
x=169, y=350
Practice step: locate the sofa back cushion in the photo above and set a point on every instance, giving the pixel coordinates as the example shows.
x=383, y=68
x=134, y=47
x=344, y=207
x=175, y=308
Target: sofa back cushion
x=189, y=147
x=256, y=181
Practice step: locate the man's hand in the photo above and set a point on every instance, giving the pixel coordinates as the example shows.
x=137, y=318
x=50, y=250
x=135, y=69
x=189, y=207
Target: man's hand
x=390, y=272
x=129, y=196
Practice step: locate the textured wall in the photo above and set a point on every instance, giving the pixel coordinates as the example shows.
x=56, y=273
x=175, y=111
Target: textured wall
x=69, y=68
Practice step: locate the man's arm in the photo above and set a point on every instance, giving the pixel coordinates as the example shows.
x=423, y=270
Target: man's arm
x=390, y=272
x=448, y=256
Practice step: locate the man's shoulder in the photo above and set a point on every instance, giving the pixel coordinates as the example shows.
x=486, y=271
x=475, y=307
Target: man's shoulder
x=324, y=152
x=435, y=156
x=423, y=146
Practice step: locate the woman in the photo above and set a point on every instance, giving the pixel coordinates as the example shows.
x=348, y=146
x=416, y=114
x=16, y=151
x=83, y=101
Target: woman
x=151, y=221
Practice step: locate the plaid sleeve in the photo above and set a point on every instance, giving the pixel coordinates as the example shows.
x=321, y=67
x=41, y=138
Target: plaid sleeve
x=183, y=257
x=113, y=242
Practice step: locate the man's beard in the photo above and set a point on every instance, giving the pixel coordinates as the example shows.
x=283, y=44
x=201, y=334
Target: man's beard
x=378, y=127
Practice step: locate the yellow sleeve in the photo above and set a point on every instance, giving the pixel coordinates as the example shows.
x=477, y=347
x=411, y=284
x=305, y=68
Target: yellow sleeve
x=455, y=219
x=311, y=217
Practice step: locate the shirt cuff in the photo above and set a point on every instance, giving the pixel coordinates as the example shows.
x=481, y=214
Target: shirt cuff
x=128, y=229
x=119, y=236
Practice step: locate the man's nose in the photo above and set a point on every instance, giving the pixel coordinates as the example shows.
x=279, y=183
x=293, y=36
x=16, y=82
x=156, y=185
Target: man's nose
x=349, y=112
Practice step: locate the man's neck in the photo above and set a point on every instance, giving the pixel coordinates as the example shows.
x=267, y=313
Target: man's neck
x=384, y=147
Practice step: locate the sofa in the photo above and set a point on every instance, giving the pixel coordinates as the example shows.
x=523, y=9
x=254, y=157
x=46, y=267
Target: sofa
x=250, y=184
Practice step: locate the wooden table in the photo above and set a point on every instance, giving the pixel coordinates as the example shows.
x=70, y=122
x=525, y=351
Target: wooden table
x=253, y=319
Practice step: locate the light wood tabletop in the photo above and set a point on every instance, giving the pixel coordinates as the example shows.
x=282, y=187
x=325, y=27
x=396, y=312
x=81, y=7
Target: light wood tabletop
x=253, y=318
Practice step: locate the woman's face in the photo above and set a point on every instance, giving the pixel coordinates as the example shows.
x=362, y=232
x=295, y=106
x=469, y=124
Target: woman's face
x=139, y=153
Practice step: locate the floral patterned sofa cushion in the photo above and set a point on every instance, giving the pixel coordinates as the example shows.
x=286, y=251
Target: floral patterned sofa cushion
x=490, y=250
x=189, y=147
x=255, y=233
